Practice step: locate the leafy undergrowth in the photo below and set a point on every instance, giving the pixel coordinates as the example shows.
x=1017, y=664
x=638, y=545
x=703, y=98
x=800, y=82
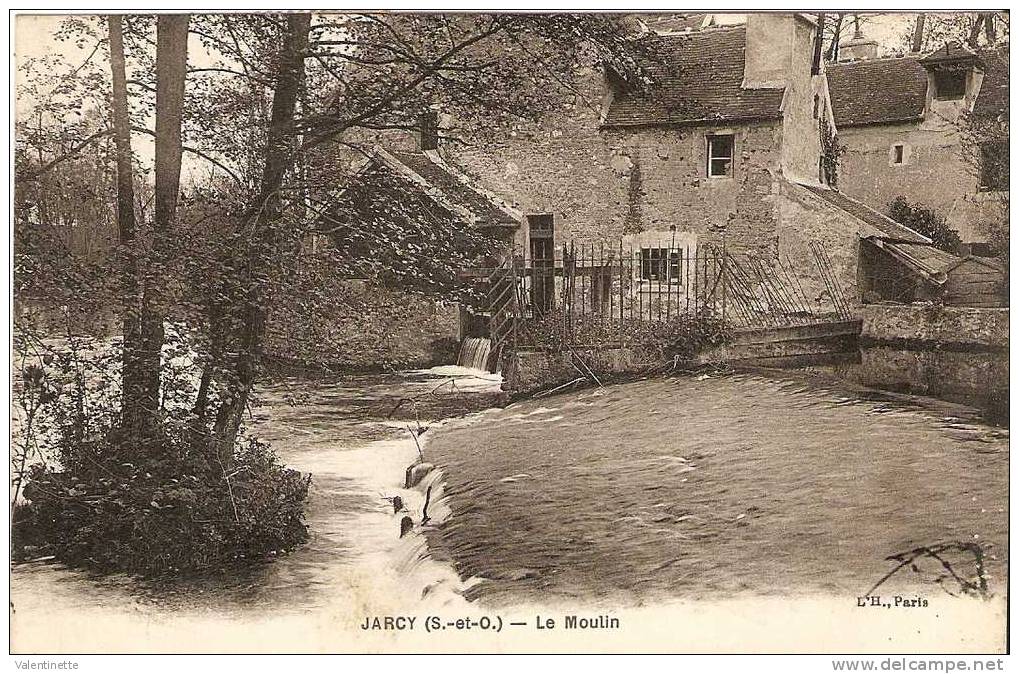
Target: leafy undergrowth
x=164, y=517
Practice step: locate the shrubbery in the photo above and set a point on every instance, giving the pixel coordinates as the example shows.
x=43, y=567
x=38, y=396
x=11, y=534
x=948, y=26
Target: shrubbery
x=99, y=497
x=680, y=337
x=150, y=519
x=926, y=221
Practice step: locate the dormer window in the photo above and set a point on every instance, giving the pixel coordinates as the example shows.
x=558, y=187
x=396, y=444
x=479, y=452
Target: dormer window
x=720, y=153
x=950, y=84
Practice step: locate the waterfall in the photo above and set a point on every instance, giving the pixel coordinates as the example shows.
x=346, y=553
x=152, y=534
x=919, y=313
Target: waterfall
x=474, y=353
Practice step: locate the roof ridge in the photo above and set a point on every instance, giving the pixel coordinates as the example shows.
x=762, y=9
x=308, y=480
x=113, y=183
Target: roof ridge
x=470, y=183
x=700, y=31
x=899, y=57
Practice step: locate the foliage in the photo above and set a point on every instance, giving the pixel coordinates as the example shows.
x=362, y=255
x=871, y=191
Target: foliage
x=415, y=244
x=925, y=221
x=677, y=338
x=165, y=517
x=279, y=113
x=96, y=499
x=942, y=27
x=831, y=151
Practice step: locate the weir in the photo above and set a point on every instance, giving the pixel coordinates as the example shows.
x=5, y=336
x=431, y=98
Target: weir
x=475, y=353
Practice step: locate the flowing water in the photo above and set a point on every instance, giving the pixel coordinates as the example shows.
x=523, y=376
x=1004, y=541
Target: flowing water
x=474, y=353
x=717, y=486
x=689, y=487
x=353, y=435
x=974, y=378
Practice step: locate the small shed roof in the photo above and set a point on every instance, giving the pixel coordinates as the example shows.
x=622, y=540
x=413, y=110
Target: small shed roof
x=451, y=187
x=928, y=261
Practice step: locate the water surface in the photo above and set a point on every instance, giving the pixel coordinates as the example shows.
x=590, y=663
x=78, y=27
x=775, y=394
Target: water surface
x=715, y=487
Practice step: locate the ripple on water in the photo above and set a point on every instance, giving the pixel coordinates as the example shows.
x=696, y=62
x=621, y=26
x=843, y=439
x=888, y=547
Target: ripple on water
x=737, y=484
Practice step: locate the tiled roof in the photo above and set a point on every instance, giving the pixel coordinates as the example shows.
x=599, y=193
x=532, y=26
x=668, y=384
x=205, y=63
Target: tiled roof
x=950, y=52
x=456, y=189
x=890, y=229
x=992, y=100
x=878, y=91
x=673, y=22
x=927, y=260
x=891, y=90
x=698, y=78
x=924, y=257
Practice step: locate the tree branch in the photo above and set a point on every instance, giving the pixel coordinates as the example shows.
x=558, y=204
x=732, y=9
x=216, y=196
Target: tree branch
x=198, y=153
x=70, y=154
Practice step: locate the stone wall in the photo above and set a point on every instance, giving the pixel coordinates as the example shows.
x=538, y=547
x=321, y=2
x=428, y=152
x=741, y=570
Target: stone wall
x=964, y=326
x=366, y=328
x=603, y=184
x=805, y=218
x=526, y=371
x=933, y=174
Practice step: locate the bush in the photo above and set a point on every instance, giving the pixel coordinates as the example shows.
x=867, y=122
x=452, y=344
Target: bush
x=98, y=497
x=152, y=519
x=680, y=337
x=925, y=221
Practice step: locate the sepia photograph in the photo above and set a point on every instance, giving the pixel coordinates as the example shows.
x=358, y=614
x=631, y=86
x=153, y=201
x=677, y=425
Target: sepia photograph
x=379, y=331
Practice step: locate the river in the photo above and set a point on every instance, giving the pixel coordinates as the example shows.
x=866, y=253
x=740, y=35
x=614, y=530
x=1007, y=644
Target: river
x=760, y=483
x=721, y=487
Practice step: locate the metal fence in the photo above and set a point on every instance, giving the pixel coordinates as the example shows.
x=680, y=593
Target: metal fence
x=616, y=286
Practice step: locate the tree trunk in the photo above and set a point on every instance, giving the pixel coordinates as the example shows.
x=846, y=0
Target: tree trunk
x=836, y=37
x=265, y=235
x=171, y=67
x=974, y=31
x=921, y=20
x=131, y=384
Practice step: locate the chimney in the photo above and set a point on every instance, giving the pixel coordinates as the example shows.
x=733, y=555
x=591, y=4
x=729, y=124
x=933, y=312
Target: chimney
x=769, y=51
x=858, y=49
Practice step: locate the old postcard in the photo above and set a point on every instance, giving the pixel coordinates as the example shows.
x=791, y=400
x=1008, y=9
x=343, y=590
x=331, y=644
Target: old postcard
x=511, y=332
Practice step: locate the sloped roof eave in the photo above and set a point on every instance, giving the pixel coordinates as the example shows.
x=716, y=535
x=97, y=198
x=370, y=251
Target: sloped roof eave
x=480, y=218
x=890, y=229
x=705, y=121
x=900, y=251
x=880, y=122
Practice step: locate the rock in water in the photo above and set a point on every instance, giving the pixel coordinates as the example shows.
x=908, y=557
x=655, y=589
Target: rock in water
x=416, y=473
x=406, y=524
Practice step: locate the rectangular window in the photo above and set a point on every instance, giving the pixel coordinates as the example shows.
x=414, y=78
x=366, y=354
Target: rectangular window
x=720, y=152
x=994, y=166
x=661, y=265
x=817, y=105
x=949, y=84
x=898, y=154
